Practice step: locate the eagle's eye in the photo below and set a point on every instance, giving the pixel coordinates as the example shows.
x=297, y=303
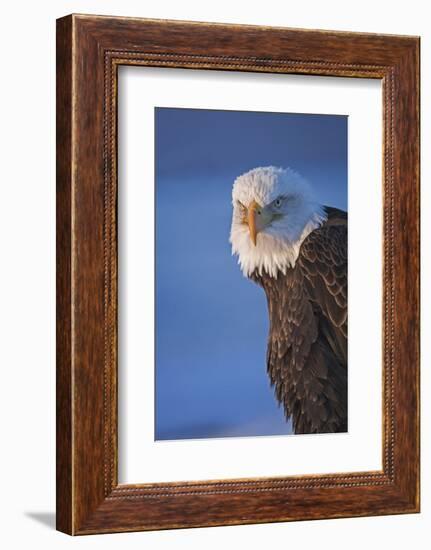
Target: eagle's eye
x=278, y=202
x=242, y=211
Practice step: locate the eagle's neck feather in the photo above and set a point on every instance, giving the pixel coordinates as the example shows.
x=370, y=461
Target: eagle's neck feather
x=274, y=253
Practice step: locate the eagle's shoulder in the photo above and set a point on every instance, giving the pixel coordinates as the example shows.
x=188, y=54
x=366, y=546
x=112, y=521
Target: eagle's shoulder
x=323, y=260
x=328, y=243
x=335, y=216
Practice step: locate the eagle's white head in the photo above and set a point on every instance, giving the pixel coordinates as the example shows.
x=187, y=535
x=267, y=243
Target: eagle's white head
x=274, y=209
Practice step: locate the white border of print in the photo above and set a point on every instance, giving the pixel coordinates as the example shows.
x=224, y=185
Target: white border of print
x=143, y=460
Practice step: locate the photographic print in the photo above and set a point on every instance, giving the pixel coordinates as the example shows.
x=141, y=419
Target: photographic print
x=251, y=273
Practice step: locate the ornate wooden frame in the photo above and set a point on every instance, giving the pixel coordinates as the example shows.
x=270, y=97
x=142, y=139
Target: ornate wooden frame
x=89, y=51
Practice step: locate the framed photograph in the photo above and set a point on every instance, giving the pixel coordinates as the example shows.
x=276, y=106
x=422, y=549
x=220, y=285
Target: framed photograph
x=237, y=274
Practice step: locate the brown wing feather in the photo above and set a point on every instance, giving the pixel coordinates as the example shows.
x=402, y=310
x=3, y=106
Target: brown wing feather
x=307, y=347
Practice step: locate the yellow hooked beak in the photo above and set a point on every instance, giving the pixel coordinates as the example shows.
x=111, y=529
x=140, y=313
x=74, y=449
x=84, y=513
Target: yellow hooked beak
x=251, y=220
x=257, y=219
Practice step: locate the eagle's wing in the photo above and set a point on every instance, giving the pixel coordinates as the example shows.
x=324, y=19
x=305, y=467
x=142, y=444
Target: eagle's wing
x=323, y=259
x=307, y=348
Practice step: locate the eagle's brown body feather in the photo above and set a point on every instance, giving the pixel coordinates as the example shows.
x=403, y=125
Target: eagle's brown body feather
x=307, y=345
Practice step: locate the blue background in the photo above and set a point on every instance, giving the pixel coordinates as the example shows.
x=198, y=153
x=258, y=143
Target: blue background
x=211, y=322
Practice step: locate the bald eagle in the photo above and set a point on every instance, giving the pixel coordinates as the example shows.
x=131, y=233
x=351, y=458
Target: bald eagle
x=296, y=250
